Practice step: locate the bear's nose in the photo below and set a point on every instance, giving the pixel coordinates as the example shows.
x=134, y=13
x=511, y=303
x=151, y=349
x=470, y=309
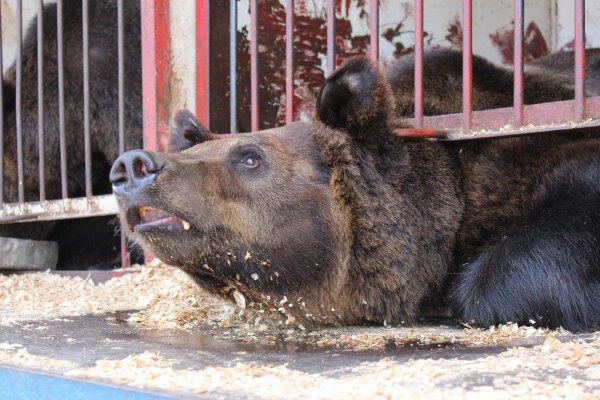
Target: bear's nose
x=134, y=168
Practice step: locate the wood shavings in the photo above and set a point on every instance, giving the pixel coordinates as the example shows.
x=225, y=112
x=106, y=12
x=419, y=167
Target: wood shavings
x=240, y=300
x=515, y=373
x=21, y=357
x=165, y=297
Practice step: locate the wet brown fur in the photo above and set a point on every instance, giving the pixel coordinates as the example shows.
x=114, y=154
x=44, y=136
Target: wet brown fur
x=351, y=224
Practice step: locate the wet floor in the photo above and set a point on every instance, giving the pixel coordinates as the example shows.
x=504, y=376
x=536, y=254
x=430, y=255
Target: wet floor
x=85, y=339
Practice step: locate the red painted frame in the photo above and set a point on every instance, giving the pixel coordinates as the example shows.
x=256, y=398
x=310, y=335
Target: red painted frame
x=156, y=71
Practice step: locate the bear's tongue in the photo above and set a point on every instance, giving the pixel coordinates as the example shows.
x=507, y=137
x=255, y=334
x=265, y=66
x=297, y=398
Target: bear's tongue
x=149, y=214
x=154, y=216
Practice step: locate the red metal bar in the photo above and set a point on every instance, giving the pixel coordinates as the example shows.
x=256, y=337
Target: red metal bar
x=155, y=78
x=374, y=29
x=560, y=112
x=254, y=111
x=418, y=121
x=580, y=58
x=203, y=62
x=289, y=61
x=467, y=74
x=330, y=36
x=149, y=74
x=155, y=72
x=233, y=66
x=518, y=61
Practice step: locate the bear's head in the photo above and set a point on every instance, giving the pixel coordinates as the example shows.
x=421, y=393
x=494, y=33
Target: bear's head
x=283, y=216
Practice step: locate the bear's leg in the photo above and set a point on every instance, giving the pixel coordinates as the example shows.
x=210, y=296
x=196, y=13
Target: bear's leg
x=546, y=270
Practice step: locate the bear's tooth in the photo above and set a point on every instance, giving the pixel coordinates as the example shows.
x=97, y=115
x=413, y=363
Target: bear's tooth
x=186, y=225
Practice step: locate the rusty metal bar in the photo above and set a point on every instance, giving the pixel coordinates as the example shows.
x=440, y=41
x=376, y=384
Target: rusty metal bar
x=59, y=209
x=547, y=114
x=121, y=61
x=155, y=70
x=543, y=118
x=374, y=29
x=289, y=61
x=518, y=61
x=418, y=121
x=125, y=260
x=149, y=75
x=202, y=61
x=330, y=36
x=1, y=122
x=254, y=112
x=233, y=66
x=467, y=73
x=86, y=99
x=580, y=58
x=40, y=76
x=61, y=101
x=18, y=116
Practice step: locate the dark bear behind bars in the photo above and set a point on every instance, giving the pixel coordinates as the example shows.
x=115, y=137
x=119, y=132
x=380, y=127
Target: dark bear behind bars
x=83, y=242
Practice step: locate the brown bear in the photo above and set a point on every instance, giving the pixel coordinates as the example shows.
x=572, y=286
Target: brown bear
x=563, y=64
x=339, y=221
x=90, y=241
x=550, y=78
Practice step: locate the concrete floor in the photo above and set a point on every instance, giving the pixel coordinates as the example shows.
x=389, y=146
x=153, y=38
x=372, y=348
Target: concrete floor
x=86, y=339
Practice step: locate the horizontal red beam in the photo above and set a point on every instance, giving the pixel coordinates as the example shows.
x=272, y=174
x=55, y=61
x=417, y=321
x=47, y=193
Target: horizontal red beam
x=560, y=112
x=544, y=117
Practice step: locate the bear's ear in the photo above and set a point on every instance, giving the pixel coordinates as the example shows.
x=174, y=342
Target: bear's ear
x=187, y=132
x=357, y=99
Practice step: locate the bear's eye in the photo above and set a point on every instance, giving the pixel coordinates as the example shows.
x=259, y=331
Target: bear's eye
x=250, y=161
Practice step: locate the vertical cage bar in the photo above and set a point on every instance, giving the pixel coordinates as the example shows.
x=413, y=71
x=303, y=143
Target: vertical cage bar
x=149, y=75
x=86, y=99
x=467, y=73
x=580, y=58
x=518, y=61
x=125, y=261
x=289, y=61
x=20, y=174
x=155, y=72
x=254, y=65
x=203, y=61
x=330, y=36
x=121, y=62
x=233, y=66
x=374, y=29
x=61, y=100
x=1, y=121
x=418, y=122
x=40, y=76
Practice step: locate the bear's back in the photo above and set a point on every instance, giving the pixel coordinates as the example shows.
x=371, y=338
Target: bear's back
x=505, y=180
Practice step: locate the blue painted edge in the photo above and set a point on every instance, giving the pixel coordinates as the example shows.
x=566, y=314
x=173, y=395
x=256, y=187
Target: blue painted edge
x=20, y=384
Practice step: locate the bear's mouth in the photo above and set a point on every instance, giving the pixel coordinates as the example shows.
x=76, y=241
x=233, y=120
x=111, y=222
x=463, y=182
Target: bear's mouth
x=139, y=217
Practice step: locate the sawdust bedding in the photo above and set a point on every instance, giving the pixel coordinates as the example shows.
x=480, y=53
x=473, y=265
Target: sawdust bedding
x=166, y=298
x=553, y=370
